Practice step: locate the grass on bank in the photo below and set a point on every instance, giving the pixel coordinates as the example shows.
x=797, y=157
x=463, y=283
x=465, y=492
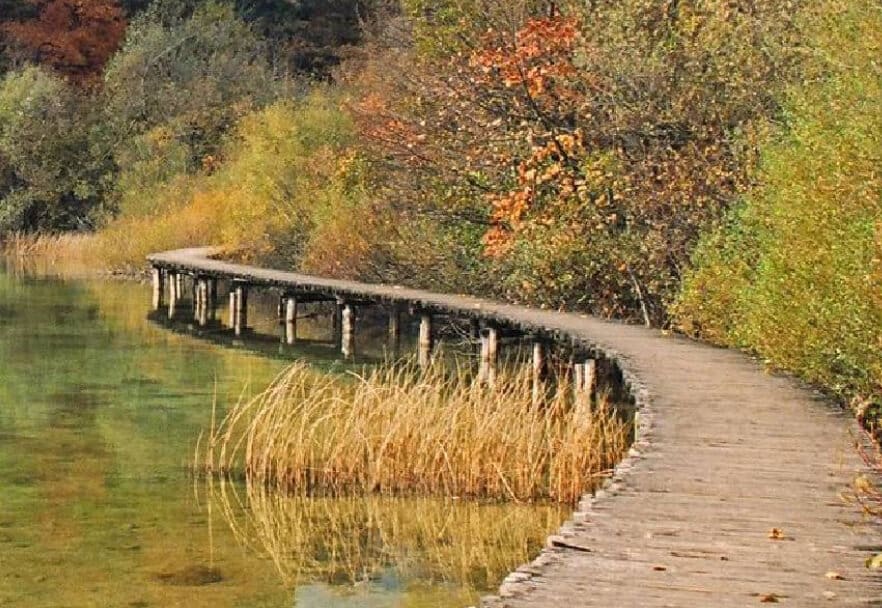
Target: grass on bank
x=394, y=430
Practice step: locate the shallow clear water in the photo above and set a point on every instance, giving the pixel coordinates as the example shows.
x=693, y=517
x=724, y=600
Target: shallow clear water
x=100, y=413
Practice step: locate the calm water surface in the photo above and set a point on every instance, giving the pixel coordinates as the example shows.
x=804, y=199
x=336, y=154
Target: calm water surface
x=100, y=413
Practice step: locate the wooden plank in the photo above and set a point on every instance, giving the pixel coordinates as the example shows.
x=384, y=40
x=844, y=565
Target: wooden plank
x=724, y=453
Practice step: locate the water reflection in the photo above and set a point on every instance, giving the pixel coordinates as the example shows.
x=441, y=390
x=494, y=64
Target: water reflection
x=100, y=411
x=460, y=549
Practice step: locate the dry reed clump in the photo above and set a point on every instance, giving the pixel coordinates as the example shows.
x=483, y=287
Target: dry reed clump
x=395, y=430
x=64, y=254
x=471, y=544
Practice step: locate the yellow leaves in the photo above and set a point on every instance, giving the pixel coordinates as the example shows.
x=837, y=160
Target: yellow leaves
x=875, y=562
x=834, y=576
x=863, y=485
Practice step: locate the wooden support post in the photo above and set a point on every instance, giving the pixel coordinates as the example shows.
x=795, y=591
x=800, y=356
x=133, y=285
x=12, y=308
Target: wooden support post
x=584, y=384
x=475, y=335
x=426, y=341
x=197, y=300
x=394, y=344
x=173, y=294
x=578, y=380
x=290, y=320
x=241, y=322
x=203, y=301
x=489, y=356
x=179, y=285
x=347, y=339
x=538, y=372
x=591, y=378
x=158, y=288
x=233, y=313
x=210, y=298
x=337, y=324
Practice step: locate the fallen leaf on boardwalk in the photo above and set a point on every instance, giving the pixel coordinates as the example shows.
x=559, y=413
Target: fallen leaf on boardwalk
x=776, y=534
x=659, y=568
x=770, y=599
x=833, y=575
x=875, y=561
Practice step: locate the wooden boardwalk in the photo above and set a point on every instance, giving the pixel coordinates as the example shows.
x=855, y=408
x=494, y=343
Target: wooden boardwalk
x=725, y=454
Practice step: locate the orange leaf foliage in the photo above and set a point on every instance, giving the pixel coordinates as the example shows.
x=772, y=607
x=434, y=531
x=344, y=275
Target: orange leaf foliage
x=73, y=37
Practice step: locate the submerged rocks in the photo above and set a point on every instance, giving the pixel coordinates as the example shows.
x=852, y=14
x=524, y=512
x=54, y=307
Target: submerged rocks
x=191, y=576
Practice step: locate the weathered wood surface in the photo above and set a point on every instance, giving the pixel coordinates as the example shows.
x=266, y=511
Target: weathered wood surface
x=724, y=453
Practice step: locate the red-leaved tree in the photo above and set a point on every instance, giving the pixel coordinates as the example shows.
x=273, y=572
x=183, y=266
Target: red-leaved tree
x=73, y=37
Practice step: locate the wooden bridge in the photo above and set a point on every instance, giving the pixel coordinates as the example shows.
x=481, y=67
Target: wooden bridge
x=730, y=496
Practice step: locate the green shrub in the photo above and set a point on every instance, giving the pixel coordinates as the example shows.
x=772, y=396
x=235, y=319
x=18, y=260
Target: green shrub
x=794, y=273
x=53, y=155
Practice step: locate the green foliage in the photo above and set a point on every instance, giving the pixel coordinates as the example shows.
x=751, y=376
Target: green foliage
x=176, y=88
x=289, y=191
x=795, y=273
x=195, y=76
x=53, y=154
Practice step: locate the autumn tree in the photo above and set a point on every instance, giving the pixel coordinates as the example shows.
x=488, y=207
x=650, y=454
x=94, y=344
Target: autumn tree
x=73, y=37
x=592, y=143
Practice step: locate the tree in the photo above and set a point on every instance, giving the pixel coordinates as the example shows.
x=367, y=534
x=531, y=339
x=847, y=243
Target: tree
x=73, y=37
x=53, y=155
x=593, y=143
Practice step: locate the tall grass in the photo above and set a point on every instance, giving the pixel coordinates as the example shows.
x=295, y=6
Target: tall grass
x=68, y=254
x=396, y=431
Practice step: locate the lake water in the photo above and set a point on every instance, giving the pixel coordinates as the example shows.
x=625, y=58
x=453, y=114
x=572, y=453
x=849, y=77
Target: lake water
x=100, y=413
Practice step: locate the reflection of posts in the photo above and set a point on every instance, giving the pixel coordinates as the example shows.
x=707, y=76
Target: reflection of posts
x=489, y=356
x=158, y=288
x=347, y=339
x=426, y=341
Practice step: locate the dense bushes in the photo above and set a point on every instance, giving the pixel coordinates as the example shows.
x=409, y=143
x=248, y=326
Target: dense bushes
x=54, y=151
x=290, y=188
x=590, y=146
x=794, y=271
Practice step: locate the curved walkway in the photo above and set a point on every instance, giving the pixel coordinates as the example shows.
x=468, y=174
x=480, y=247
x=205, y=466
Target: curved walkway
x=725, y=453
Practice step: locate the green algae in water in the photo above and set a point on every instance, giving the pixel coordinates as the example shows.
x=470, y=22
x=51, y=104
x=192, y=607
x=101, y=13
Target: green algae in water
x=100, y=411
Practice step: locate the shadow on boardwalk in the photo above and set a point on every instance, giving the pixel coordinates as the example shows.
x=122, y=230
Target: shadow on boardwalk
x=725, y=453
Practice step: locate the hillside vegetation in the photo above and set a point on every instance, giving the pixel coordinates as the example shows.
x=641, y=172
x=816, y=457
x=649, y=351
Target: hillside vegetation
x=708, y=165
x=794, y=271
